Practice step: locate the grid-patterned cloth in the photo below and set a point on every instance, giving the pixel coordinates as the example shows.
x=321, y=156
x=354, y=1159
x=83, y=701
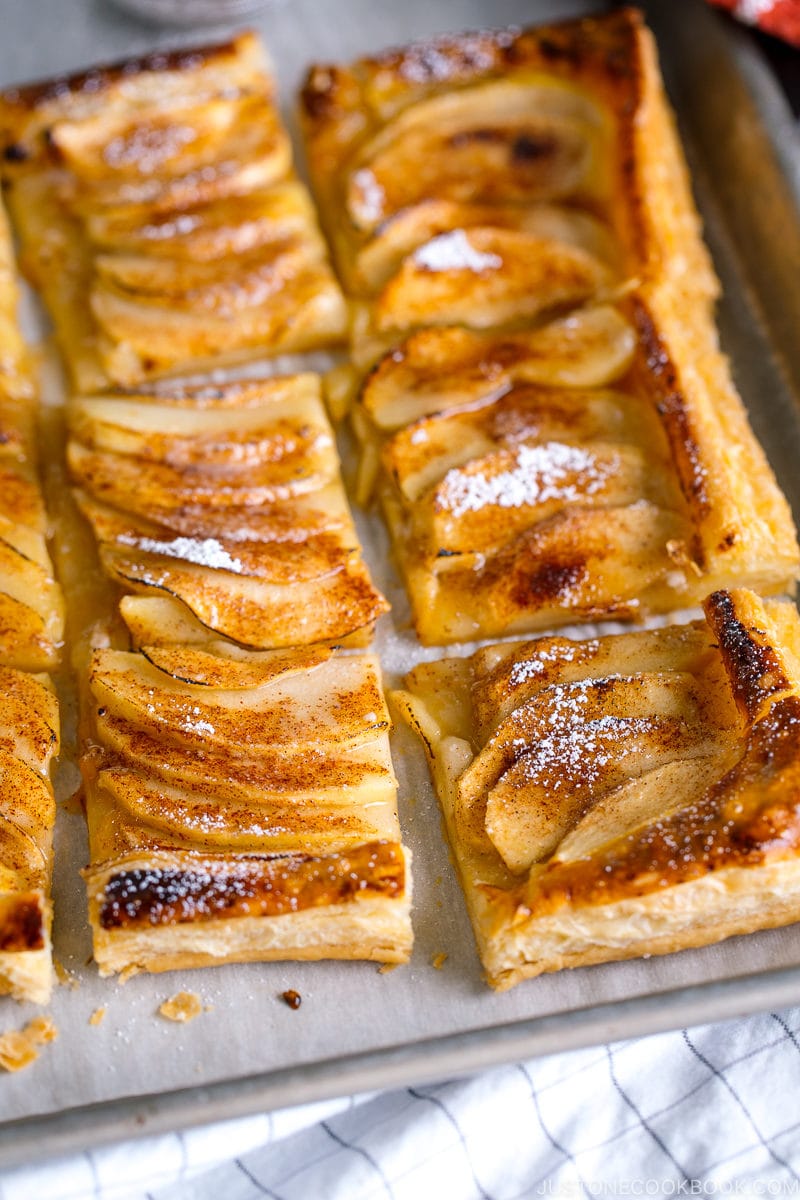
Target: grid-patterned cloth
x=707, y=1111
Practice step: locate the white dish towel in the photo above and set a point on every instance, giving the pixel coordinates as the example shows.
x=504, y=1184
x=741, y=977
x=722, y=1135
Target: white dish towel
x=713, y=1111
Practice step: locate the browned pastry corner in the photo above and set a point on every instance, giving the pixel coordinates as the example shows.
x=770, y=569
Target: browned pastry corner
x=241, y=806
x=621, y=796
x=542, y=407
x=161, y=218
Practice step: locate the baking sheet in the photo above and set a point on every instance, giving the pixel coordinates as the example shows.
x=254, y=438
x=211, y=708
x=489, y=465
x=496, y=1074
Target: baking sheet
x=359, y=1029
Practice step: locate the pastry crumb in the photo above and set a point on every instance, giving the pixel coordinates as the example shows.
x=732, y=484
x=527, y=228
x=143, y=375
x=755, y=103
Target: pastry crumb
x=385, y=968
x=183, y=1006
x=19, y=1048
x=439, y=960
x=97, y=1016
x=64, y=975
x=292, y=998
x=128, y=973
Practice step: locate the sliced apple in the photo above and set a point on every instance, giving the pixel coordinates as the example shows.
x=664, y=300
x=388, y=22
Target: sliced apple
x=411, y=227
x=20, y=495
x=24, y=639
x=29, y=722
x=173, y=156
x=599, y=705
x=232, y=225
x=28, y=582
x=281, y=562
x=253, y=612
x=227, y=666
x=639, y=802
x=338, y=704
x=181, y=436
x=531, y=667
x=26, y=804
x=485, y=276
x=294, y=520
x=340, y=776
x=482, y=505
x=139, y=485
x=422, y=453
x=442, y=369
x=519, y=139
x=589, y=562
x=147, y=336
x=198, y=819
x=163, y=621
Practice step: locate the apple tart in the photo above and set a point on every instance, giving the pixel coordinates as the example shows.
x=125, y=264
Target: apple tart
x=161, y=218
x=241, y=806
x=221, y=508
x=29, y=738
x=546, y=416
x=31, y=607
x=622, y=796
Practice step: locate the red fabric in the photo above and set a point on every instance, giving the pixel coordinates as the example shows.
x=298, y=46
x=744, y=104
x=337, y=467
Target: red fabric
x=778, y=17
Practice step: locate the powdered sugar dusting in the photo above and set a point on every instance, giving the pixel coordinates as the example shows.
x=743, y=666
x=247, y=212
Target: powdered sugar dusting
x=548, y=471
x=205, y=552
x=454, y=252
x=565, y=652
x=371, y=195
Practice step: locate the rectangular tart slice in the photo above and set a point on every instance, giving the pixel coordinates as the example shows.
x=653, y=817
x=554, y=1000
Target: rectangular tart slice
x=29, y=738
x=161, y=218
x=546, y=416
x=226, y=503
x=622, y=796
x=31, y=606
x=241, y=806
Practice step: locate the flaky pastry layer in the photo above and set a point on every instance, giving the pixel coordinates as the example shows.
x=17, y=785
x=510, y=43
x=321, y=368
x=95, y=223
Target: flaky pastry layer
x=542, y=406
x=241, y=806
x=161, y=218
x=622, y=796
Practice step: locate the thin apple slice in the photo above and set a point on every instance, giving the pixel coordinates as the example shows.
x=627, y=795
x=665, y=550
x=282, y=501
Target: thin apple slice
x=253, y=612
x=411, y=227
x=20, y=495
x=485, y=276
x=197, y=819
x=29, y=722
x=217, y=436
x=542, y=796
x=512, y=140
x=595, y=561
x=27, y=804
x=226, y=666
x=442, y=369
x=163, y=621
x=340, y=776
x=339, y=704
x=24, y=640
x=531, y=667
x=643, y=801
x=172, y=157
x=28, y=582
x=139, y=486
x=422, y=453
x=482, y=505
x=146, y=336
x=276, y=562
x=561, y=710
x=232, y=225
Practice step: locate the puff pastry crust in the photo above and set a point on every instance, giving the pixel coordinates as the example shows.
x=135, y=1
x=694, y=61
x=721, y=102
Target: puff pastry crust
x=161, y=218
x=29, y=738
x=224, y=502
x=31, y=606
x=626, y=795
x=546, y=416
x=241, y=806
